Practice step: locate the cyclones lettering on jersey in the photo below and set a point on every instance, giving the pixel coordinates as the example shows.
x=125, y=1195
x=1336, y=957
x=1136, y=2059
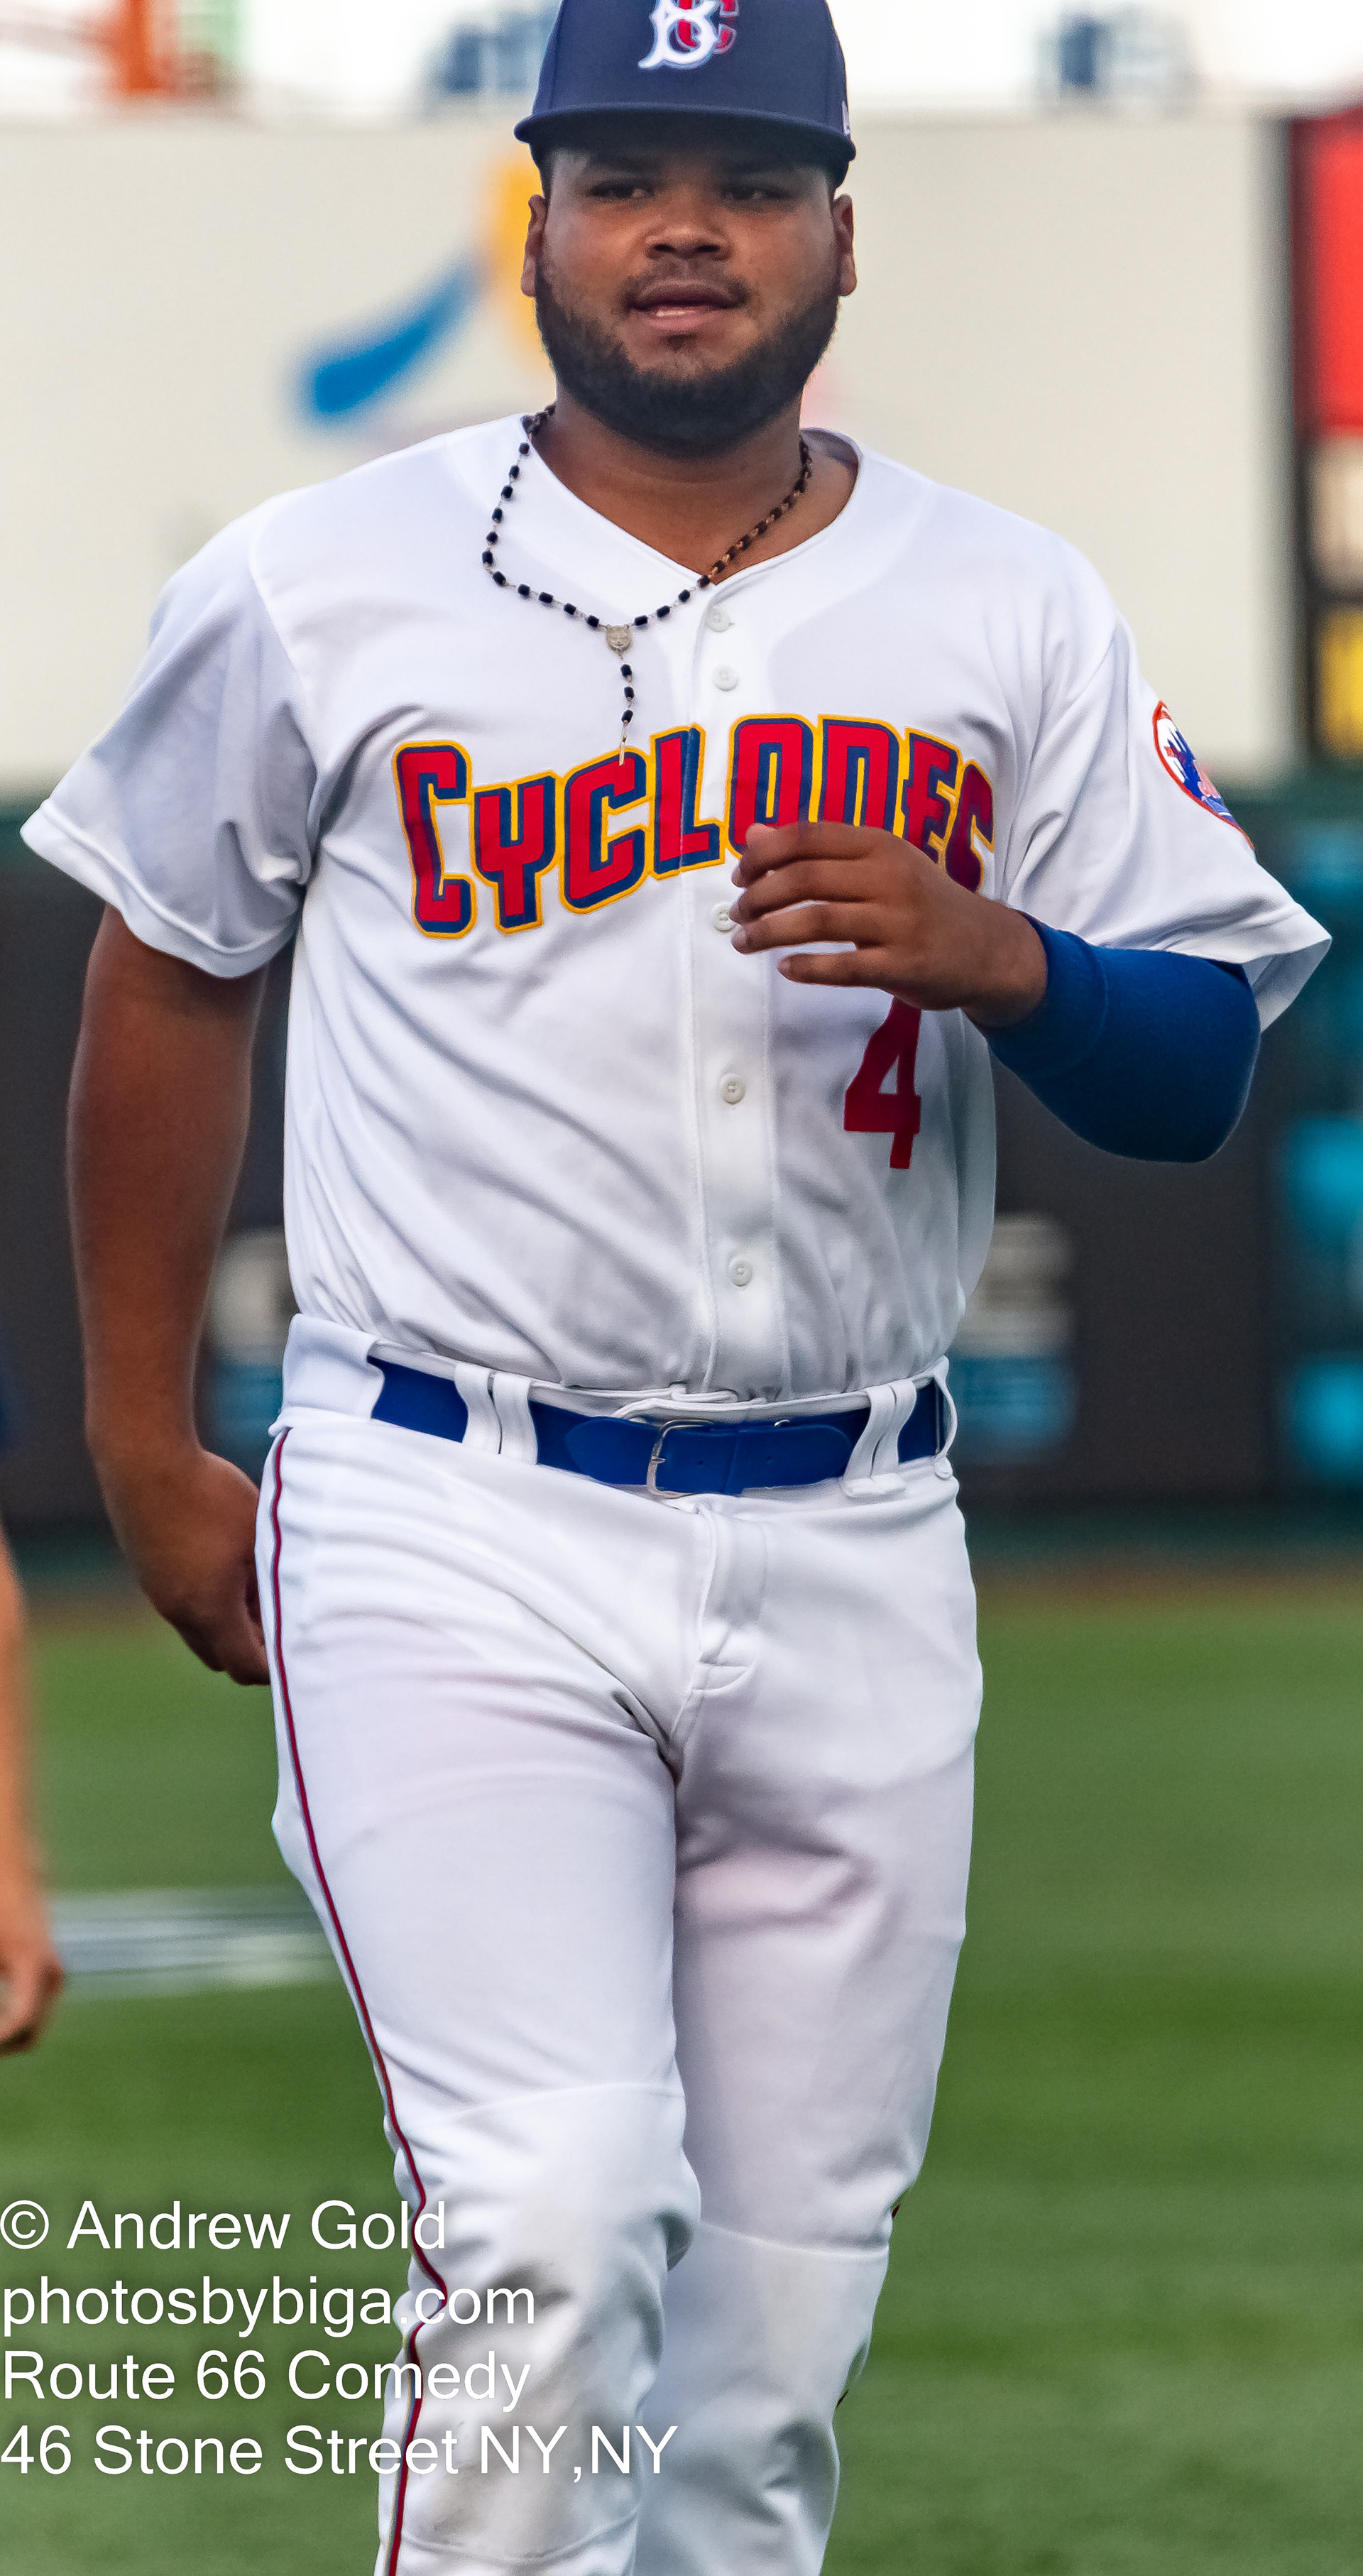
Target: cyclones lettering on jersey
x=782, y=770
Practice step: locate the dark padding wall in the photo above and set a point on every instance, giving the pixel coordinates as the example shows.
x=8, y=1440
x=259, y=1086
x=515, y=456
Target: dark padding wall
x=47, y=925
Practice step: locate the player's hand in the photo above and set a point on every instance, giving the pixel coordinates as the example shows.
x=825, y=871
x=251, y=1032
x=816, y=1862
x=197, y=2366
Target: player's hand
x=913, y=931
x=31, y=1974
x=187, y=1522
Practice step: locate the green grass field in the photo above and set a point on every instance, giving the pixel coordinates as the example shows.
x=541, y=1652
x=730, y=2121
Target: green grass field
x=1123, y=2334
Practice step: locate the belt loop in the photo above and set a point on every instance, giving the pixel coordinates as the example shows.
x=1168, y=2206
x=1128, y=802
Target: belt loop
x=950, y=1425
x=876, y=1454
x=511, y=1400
x=475, y=1385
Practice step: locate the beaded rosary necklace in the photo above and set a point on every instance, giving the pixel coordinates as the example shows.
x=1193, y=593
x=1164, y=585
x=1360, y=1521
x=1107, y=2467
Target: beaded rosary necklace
x=618, y=638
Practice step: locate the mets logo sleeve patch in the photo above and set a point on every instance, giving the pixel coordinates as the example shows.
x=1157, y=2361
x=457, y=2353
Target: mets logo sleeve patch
x=1185, y=768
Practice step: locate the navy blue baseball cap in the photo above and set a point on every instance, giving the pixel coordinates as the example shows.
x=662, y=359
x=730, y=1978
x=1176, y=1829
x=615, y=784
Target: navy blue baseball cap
x=775, y=63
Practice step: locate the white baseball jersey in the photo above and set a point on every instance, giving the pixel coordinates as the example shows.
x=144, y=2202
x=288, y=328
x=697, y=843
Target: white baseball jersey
x=541, y=1114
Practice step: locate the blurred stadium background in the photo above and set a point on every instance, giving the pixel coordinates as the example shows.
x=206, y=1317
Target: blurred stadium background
x=1112, y=278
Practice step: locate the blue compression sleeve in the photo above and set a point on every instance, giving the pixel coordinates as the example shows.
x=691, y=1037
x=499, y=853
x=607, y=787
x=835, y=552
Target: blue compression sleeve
x=1136, y=1049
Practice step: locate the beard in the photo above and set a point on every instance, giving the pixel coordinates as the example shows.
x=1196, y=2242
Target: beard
x=676, y=414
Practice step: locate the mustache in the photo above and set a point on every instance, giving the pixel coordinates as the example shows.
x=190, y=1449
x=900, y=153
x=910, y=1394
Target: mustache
x=663, y=285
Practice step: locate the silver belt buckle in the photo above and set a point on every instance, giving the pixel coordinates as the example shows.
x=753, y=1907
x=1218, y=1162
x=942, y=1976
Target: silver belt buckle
x=644, y=1423
x=686, y=1421
x=651, y=1480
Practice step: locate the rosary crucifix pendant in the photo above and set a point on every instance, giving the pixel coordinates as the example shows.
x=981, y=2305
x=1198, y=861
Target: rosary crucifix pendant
x=620, y=639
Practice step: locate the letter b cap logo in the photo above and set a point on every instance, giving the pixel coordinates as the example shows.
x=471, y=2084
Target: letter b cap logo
x=774, y=63
x=687, y=32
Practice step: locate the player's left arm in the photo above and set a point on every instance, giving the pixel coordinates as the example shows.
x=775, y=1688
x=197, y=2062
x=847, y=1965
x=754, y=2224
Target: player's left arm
x=30, y=1971
x=1143, y=1052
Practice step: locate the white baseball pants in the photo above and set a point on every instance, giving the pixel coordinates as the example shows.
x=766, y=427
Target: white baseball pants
x=640, y=1830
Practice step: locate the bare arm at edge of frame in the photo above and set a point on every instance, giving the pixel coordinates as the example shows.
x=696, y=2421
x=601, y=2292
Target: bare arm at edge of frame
x=30, y=1971
x=160, y=1099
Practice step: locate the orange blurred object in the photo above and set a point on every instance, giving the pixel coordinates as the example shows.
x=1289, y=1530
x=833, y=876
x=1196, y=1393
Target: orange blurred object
x=142, y=49
x=1328, y=196
x=137, y=44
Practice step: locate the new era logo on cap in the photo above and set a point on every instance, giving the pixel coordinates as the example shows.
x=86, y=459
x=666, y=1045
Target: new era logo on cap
x=687, y=32
x=774, y=63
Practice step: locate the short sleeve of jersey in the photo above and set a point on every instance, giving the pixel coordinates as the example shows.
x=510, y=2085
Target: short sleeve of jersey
x=1120, y=836
x=191, y=814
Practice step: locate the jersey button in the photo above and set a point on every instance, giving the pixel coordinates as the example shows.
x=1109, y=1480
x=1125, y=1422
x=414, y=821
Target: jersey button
x=733, y=1089
x=722, y=917
x=740, y=1271
x=726, y=677
x=718, y=619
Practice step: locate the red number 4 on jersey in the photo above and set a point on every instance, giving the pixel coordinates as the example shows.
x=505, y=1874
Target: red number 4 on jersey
x=873, y=1110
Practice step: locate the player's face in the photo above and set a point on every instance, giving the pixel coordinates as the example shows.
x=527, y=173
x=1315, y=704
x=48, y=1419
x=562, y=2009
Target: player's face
x=685, y=293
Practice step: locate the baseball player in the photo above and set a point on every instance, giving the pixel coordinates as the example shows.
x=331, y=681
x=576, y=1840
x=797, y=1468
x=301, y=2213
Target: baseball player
x=672, y=811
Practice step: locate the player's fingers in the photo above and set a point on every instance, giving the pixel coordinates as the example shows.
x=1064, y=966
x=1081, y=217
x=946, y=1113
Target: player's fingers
x=249, y=1670
x=846, y=966
x=807, y=881
x=244, y=1657
x=34, y=1980
x=802, y=923
x=229, y=1639
x=773, y=845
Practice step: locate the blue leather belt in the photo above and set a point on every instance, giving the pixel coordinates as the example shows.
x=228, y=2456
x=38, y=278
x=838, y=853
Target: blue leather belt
x=668, y=1457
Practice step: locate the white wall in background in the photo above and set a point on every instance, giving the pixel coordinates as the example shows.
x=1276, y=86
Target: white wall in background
x=1304, y=51
x=361, y=59
x=986, y=50
x=1081, y=319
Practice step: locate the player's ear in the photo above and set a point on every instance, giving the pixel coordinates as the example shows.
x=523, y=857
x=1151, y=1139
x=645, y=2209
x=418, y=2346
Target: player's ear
x=539, y=212
x=844, y=225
